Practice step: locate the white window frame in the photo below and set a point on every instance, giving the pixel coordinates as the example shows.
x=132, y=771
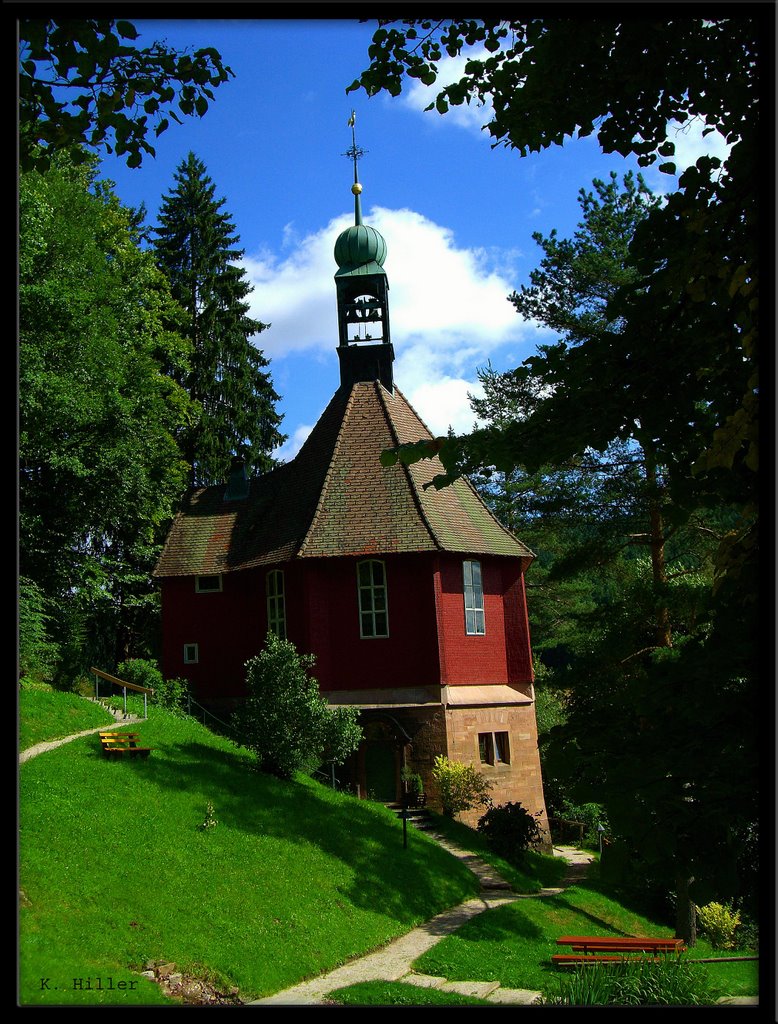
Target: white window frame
x=200, y=589
x=373, y=599
x=275, y=593
x=191, y=654
x=473, y=590
x=495, y=751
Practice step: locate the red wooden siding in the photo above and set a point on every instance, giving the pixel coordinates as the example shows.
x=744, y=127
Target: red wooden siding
x=427, y=644
x=345, y=661
x=502, y=654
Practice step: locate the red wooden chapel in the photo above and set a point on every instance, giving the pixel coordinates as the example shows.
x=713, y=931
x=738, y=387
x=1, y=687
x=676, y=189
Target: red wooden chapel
x=411, y=599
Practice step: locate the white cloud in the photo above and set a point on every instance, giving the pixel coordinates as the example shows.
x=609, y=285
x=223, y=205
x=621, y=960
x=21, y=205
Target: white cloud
x=448, y=309
x=444, y=403
x=690, y=145
x=472, y=116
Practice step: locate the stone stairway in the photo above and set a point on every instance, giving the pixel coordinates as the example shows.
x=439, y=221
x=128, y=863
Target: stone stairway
x=488, y=877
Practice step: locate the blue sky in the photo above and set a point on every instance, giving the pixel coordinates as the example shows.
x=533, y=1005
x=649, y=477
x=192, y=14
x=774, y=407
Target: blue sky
x=457, y=216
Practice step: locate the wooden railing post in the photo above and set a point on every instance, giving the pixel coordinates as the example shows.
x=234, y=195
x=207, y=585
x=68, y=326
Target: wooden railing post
x=145, y=690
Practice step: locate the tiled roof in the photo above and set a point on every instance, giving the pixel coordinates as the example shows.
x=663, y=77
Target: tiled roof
x=334, y=498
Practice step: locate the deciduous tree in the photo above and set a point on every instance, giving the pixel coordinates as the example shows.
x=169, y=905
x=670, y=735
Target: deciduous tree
x=99, y=415
x=82, y=83
x=633, y=81
x=680, y=375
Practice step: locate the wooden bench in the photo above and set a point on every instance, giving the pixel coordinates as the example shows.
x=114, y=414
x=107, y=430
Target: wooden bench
x=598, y=948
x=115, y=744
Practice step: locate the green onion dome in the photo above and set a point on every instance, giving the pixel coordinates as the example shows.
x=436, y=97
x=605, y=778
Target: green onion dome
x=359, y=245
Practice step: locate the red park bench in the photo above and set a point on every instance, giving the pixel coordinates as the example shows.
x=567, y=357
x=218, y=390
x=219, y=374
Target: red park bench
x=598, y=948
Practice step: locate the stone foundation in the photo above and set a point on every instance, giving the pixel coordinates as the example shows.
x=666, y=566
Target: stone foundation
x=492, y=728
x=514, y=773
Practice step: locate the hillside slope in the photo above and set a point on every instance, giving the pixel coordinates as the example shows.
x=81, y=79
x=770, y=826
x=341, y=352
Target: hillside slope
x=116, y=871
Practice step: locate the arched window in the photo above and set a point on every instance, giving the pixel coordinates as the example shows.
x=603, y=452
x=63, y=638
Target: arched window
x=373, y=608
x=276, y=603
x=474, y=599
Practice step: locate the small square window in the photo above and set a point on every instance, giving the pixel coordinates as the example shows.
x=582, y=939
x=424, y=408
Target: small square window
x=494, y=748
x=208, y=584
x=191, y=654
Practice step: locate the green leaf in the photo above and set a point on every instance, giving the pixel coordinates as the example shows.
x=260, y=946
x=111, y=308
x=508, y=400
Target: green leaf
x=126, y=30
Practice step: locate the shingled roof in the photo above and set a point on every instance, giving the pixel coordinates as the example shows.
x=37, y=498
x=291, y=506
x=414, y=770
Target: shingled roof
x=336, y=499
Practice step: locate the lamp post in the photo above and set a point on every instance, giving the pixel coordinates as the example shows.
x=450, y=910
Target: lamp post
x=600, y=830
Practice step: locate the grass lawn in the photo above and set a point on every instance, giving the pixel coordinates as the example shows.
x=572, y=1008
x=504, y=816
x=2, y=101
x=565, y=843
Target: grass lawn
x=513, y=944
x=395, y=993
x=46, y=714
x=115, y=869
x=293, y=880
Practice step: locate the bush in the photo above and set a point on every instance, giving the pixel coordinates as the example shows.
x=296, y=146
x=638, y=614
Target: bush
x=590, y=815
x=747, y=935
x=510, y=830
x=140, y=672
x=461, y=786
x=718, y=922
x=285, y=720
x=414, y=786
x=171, y=694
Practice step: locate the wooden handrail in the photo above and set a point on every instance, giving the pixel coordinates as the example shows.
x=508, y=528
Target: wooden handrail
x=121, y=682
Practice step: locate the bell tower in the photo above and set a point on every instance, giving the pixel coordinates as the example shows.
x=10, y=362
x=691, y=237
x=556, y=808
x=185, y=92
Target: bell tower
x=364, y=344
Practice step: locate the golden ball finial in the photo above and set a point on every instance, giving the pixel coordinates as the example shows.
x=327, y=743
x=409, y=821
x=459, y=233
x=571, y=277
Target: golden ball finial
x=356, y=188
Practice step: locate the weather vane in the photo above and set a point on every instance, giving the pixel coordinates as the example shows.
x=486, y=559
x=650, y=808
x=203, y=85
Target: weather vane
x=356, y=152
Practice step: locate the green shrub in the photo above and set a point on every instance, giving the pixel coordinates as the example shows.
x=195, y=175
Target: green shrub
x=414, y=785
x=285, y=720
x=171, y=694
x=590, y=816
x=140, y=672
x=83, y=685
x=510, y=830
x=747, y=934
x=718, y=922
x=461, y=786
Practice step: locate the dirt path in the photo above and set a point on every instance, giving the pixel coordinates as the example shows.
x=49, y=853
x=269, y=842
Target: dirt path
x=41, y=748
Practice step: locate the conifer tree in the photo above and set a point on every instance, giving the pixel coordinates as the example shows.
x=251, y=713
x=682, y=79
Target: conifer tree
x=197, y=248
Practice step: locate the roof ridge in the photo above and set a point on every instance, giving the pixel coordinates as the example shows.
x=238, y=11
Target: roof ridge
x=406, y=469
x=328, y=474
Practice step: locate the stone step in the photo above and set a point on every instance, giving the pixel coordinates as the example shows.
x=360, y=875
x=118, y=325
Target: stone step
x=480, y=989
x=515, y=996
x=490, y=990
